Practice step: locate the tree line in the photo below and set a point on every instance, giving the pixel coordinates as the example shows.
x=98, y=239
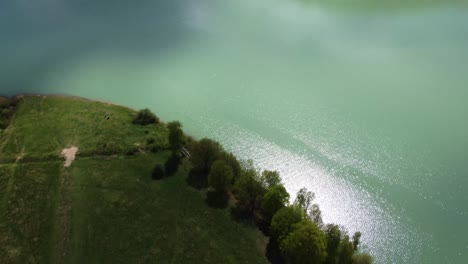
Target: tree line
x=296, y=229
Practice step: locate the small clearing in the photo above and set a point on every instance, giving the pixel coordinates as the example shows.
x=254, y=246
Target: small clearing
x=69, y=154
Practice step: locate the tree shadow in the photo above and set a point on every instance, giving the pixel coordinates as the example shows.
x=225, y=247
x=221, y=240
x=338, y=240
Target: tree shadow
x=273, y=253
x=219, y=200
x=172, y=165
x=197, y=180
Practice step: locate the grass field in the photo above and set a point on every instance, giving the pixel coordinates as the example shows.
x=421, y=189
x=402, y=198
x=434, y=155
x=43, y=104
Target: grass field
x=105, y=209
x=43, y=126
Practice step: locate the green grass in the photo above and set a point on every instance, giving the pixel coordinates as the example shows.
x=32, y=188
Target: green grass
x=104, y=209
x=27, y=205
x=44, y=125
x=126, y=217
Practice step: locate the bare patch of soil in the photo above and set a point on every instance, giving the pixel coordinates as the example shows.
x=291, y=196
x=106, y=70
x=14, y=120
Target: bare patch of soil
x=69, y=154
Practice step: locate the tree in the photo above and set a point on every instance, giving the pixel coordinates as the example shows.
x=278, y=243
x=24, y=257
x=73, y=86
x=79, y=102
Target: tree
x=304, y=199
x=283, y=221
x=362, y=259
x=176, y=136
x=270, y=178
x=145, y=117
x=333, y=237
x=305, y=244
x=248, y=191
x=340, y=248
x=220, y=176
x=356, y=240
x=316, y=215
x=232, y=161
x=204, y=153
x=345, y=251
x=274, y=199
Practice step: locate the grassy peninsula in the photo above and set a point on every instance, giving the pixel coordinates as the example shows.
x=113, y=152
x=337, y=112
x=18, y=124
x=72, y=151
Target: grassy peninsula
x=130, y=195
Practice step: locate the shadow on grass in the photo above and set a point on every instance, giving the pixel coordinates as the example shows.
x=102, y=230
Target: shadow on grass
x=172, y=165
x=197, y=180
x=218, y=200
x=273, y=253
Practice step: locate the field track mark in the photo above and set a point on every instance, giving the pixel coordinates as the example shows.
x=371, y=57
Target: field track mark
x=63, y=219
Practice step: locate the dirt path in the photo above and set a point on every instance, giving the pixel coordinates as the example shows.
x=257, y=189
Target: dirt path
x=69, y=154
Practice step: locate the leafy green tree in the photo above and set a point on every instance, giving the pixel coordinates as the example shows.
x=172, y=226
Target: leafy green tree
x=340, y=248
x=176, y=135
x=204, y=153
x=145, y=117
x=305, y=244
x=333, y=236
x=274, y=199
x=304, y=199
x=316, y=215
x=283, y=221
x=362, y=259
x=232, y=161
x=356, y=240
x=220, y=176
x=248, y=191
x=345, y=251
x=270, y=178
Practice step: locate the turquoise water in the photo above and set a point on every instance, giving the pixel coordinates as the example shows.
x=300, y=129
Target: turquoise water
x=364, y=106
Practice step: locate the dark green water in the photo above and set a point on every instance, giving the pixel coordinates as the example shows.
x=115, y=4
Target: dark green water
x=366, y=106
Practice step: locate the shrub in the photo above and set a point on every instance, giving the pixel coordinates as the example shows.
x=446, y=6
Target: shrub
x=108, y=149
x=305, y=244
x=284, y=220
x=5, y=115
x=145, y=117
x=155, y=149
x=4, y=102
x=176, y=136
x=220, y=176
x=273, y=200
x=132, y=150
x=158, y=172
x=204, y=153
x=362, y=259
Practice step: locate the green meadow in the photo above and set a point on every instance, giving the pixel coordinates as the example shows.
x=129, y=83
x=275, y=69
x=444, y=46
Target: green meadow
x=105, y=208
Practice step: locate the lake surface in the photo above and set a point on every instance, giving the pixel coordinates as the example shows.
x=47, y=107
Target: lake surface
x=364, y=105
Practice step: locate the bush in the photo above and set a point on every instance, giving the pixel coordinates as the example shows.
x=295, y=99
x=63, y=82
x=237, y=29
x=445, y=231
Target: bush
x=132, y=150
x=220, y=176
x=273, y=200
x=155, y=149
x=145, y=117
x=5, y=112
x=362, y=259
x=284, y=220
x=305, y=244
x=5, y=115
x=158, y=172
x=108, y=149
x=176, y=136
x=4, y=102
x=204, y=153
